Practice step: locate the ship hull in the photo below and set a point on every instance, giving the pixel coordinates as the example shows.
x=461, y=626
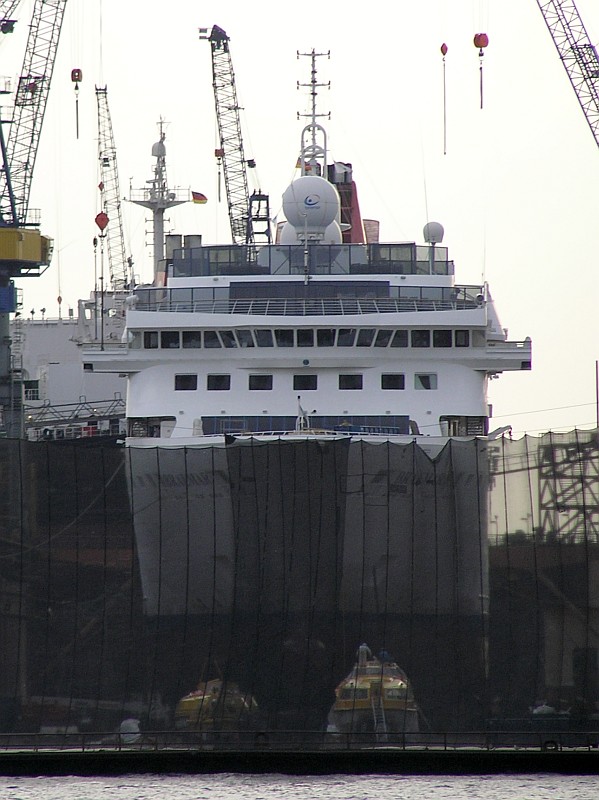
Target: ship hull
x=294, y=526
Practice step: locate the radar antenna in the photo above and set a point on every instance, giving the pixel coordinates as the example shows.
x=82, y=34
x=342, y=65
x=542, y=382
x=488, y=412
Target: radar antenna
x=313, y=155
x=158, y=197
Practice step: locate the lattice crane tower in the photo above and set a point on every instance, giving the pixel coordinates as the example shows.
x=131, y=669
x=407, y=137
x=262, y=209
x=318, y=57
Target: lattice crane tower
x=246, y=212
x=577, y=53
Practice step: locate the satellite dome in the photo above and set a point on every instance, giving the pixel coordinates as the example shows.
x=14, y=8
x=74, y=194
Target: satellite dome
x=332, y=234
x=433, y=232
x=159, y=149
x=311, y=204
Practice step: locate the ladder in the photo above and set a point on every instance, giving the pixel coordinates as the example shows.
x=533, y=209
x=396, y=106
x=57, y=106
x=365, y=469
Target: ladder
x=378, y=716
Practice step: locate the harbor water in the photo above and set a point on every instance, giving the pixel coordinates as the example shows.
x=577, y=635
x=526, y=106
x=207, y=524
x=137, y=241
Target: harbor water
x=276, y=787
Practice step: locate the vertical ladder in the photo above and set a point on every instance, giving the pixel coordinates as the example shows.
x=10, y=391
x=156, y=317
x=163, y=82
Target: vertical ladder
x=378, y=716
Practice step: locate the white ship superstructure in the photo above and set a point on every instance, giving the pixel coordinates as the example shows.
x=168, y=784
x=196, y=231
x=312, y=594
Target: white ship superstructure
x=326, y=332
x=368, y=339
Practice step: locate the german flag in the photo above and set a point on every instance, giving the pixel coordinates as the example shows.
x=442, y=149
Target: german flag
x=198, y=197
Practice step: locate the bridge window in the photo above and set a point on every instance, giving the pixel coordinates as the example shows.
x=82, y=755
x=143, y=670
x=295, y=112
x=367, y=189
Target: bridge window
x=264, y=338
x=400, y=339
x=228, y=338
x=169, y=340
x=325, y=337
x=211, y=339
x=191, y=339
x=383, y=338
x=365, y=337
x=462, y=338
x=151, y=340
x=134, y=339
x=421, y=338
x=305, y=337
x=441, y=338
x=346, y=337
x=245, y=338
x=284, y=337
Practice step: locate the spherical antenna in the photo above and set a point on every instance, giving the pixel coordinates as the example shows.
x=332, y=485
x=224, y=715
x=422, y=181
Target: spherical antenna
x=433, y=232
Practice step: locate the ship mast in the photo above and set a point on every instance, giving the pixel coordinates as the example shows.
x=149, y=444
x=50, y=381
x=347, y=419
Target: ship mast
x=313, y=156
x=158, y=198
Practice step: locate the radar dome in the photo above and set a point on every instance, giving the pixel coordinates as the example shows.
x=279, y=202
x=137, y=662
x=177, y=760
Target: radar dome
x=159, y=149
x=311, y=204
x=433, y=232
x=332, y=234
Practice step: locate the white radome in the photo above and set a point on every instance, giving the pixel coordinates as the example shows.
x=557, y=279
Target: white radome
x=310, y=205
x=290, y=235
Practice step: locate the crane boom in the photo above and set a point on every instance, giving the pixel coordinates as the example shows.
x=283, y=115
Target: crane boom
x=111, y=196
x=578, y=55
x=231, y=150
x=29, y=106
x=7, y=8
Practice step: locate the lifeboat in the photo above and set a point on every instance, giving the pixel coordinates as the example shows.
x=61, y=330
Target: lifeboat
x=215, y=705
x=376, y=697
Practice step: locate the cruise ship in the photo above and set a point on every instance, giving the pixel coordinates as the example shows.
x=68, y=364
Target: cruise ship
x=304, y=418
x=310, y=463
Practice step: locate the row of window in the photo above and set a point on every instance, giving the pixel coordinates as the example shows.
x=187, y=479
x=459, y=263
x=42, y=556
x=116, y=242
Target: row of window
x=318, y=291
x=303, y=382
x=304, y=337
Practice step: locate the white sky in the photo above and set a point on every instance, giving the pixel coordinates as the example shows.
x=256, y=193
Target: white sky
x=516, y=191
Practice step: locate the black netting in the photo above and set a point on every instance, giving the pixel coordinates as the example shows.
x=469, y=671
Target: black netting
x=251, y=573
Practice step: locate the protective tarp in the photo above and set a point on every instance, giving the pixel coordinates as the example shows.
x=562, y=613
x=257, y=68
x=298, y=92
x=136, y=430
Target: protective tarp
x=245, y=578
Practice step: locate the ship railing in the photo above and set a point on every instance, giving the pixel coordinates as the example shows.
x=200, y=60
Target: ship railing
x=308, y=308
x=365, y=430
x=110, y=347
x=211, y=739
x=509, y=347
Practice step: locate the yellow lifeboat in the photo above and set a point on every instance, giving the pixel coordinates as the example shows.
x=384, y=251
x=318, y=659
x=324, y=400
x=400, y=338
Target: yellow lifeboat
x=376, y=697
x=215, y=705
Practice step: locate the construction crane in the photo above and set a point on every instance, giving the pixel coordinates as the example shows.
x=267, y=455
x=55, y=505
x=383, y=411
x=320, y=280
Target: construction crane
x=119, y=264
x=249, y=215
x=30, y=101
x=578, y=55
x=23, y=250
x=7, y=9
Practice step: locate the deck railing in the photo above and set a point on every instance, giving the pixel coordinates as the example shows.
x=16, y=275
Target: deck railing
x=308, y=308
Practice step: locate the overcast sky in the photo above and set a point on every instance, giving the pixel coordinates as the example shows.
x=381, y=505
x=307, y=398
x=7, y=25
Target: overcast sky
x=516, y=190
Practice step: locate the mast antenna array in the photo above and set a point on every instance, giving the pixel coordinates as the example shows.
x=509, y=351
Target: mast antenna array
x=313, y=156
